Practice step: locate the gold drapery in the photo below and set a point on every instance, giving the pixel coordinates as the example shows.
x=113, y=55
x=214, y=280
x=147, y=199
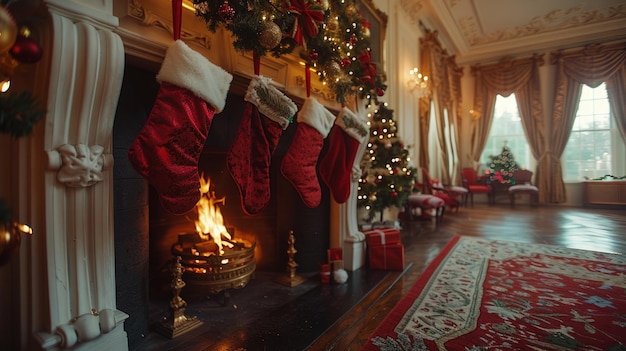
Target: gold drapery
x=445, y=91
x=506, y=77
x=590, y=65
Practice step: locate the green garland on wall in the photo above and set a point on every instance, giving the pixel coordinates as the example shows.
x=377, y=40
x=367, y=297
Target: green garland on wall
x=19, y=112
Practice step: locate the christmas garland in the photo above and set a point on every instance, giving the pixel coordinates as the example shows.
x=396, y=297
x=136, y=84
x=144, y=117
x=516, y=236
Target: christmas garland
x=18, y=114
x=332, y=36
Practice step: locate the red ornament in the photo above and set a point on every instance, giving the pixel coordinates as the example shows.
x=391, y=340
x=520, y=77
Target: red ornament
x=26, y=50
x=313, y=55
x=369, y=69
x=380, y=92
x=394, y=194
x=345, y=62
x=377, y=181
x=353, y=40
x=226, y=12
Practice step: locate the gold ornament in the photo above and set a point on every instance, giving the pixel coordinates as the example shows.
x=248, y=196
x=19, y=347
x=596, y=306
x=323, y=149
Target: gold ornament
x=366, y=32
x=270, y=36
x=8, y=30
x=332, y=24
x=332, y=68
x=351, y=10
x=10, y=239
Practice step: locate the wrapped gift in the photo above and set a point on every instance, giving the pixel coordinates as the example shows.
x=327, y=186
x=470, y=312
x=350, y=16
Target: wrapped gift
x=388, y=257
x=382, y=236
x=335, y=254
x=325, y=273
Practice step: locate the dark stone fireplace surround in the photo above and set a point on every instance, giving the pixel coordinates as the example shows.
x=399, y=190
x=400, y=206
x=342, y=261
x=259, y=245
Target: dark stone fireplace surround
x=144, y=232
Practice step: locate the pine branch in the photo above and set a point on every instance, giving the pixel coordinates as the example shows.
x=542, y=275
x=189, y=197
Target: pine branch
x=18, y=114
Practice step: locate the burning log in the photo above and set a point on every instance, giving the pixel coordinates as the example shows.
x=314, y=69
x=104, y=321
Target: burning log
x=211, y=257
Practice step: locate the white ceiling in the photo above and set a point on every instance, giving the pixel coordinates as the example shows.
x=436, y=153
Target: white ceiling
x=483, y=30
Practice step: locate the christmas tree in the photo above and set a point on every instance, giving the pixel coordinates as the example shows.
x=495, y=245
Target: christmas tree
x=387, y=179
x=501, y=166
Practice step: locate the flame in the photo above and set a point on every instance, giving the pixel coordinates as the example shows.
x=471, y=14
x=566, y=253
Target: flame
x=210, y=222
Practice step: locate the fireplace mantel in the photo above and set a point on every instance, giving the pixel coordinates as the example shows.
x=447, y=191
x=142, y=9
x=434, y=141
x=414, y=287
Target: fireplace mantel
x=65, y=286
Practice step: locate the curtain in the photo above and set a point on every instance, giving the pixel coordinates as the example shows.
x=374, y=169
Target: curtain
x=444, y=77
x=591, y=65
x=506, y=77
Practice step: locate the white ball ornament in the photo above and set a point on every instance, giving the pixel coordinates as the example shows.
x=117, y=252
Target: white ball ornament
x=340, y=276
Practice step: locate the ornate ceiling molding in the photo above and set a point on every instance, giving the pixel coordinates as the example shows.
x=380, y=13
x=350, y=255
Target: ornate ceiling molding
x=556, y=20
x=412, y=8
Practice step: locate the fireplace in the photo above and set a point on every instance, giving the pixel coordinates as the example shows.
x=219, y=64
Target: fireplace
x=212, y=258
x=145, y=233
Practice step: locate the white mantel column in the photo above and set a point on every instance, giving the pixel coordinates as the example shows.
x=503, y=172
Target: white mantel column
x=85, y=78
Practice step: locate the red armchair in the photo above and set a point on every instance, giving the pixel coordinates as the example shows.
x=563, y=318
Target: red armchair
x=473, y=186
x=449, y=195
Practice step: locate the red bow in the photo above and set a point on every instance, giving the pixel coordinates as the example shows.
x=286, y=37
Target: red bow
x=308, y=20
x=369, y=68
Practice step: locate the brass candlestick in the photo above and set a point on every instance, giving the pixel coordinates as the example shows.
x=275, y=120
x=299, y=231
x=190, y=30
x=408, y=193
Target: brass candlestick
x=292, y=279
x=178, y=323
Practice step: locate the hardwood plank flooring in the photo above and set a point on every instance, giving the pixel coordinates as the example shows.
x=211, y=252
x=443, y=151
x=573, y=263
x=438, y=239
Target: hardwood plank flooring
x=582, y=228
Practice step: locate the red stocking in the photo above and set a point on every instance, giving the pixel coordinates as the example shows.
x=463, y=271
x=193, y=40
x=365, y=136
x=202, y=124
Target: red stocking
x=248, y=160
x=299, y=164
x=344, y=141
x=168, y=147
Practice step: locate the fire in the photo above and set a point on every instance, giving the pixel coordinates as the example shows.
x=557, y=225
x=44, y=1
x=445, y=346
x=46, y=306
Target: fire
x=210, y=222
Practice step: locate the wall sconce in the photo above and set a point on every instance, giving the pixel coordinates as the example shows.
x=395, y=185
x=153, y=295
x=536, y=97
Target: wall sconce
x=418, y=83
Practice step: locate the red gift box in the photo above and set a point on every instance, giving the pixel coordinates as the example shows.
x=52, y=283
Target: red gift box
x=335, y=254
x=388, y=257
x=382, y=236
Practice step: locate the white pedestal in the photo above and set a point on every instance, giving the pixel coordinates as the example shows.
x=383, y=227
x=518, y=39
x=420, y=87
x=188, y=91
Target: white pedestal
x=353, y=254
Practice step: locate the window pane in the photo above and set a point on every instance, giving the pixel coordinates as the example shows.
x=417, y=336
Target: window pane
x=506, y=130
x=590, y=151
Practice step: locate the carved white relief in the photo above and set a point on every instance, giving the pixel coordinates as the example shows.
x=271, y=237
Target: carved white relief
x=137, y=10
x=82, y=329
x=412, y=8
x=324, y=93
x=80, y=165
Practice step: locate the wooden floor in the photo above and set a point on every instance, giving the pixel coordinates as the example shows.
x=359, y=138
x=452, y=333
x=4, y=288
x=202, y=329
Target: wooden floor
x=582, y=228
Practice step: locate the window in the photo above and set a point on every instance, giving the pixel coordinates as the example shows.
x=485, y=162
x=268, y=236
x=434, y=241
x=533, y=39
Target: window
x=506, y=130
x=594, y=143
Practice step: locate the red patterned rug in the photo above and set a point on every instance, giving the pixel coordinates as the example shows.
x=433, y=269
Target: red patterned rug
x=481, y=294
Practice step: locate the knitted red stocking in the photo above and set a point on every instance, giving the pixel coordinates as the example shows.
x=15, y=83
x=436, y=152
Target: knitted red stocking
x=168, y=147
x=249, y=158
x=299, y=164
x=344, y=140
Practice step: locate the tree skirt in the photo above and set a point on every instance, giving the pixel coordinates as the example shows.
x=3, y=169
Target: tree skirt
x=481, y=294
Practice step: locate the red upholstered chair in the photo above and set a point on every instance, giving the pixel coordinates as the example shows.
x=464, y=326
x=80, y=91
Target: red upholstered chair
x=449, y=194
x=523, y=185
x=470, y=182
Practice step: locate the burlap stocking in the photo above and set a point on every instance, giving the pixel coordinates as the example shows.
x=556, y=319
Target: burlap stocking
x=249, y=158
